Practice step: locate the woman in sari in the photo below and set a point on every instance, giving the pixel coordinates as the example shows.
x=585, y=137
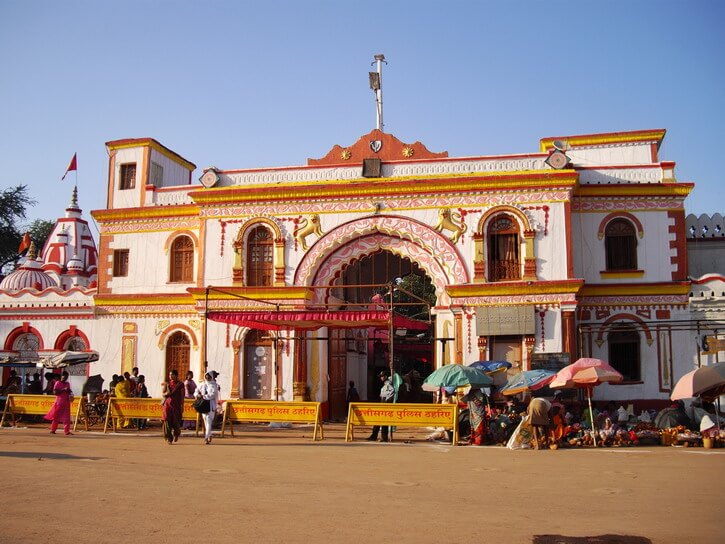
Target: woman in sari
x=209, y=390
x=477, y=414
x=60, y=412
x=173, y=407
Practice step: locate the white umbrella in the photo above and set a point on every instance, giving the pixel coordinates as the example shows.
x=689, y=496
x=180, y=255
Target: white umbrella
x=68, y=358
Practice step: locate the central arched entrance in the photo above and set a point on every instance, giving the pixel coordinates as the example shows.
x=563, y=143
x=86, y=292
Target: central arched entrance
x=359, y=355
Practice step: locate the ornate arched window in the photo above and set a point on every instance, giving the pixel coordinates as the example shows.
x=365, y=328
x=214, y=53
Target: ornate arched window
x=503, y=249
x=181, y=264
x=27, y=346
x=620, y=245
x=178, y=353
x=624, y=352
x=76, y=343
x=260, y=253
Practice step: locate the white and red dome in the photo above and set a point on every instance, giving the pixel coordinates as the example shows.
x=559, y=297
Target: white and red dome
x=29, y=275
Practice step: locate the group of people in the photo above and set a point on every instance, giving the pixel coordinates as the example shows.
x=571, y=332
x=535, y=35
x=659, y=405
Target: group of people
x=174, y=391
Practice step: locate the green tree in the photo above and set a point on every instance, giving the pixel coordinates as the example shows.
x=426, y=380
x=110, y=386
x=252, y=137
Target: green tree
x=39, y=231
x=13, y=204
x=420, y=286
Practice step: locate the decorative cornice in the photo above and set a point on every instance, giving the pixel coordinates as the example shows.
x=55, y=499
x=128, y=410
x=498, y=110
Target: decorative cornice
x=126, y=214
x=282, y=295
x=388, y=187
x=519, y=288
x=639, y=289
x=655, y=135
x=144, y=300
x=635, y=189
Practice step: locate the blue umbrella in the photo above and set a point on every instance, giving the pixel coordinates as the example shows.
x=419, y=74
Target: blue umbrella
x=528, y=380
x=491, y=367
x=456, y=376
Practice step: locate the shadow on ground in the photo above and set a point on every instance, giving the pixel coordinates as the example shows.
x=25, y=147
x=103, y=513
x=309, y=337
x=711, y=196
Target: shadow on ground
x=601, y=539
x=46, y=455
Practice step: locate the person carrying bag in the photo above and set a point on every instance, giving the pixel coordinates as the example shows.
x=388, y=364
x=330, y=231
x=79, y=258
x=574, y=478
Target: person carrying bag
x=207, y=399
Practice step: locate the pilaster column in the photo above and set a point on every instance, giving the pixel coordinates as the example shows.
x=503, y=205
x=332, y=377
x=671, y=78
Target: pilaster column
x=236, y=346
x=299, y=384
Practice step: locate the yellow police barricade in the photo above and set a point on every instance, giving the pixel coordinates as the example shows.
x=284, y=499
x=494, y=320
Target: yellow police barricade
x=401, y=415
x=32, y=405
x=147, y=408
x=268, y=411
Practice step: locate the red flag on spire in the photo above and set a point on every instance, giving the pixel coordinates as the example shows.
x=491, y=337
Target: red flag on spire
x=72, y=165
x=24, y=243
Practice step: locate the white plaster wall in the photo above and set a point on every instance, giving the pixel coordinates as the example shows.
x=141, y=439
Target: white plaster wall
x=129, y=198
x=639, y=153
x=550, y=249
x=148, y=264
x=653, y=251
x=174, y=173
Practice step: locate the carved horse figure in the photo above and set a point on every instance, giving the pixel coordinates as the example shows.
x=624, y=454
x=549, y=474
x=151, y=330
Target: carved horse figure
x=306, y=227
x=446, y=221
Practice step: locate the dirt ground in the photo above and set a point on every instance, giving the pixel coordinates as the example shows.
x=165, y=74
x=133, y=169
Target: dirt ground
x=276, y=485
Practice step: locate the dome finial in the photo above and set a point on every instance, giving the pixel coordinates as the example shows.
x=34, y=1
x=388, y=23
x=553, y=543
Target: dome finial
x=32, y=252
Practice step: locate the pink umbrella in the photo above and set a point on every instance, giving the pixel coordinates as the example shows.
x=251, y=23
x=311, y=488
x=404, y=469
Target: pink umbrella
x=703, y=380
x=586, y=372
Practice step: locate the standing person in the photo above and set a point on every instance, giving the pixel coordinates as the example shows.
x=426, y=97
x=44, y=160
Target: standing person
x=209, y=390
x=189, y=390
x=387, y=393
x=477, y=414
x=538, y=413
x=173, y=408
x=123, y=391
x=134, y=380
x=60, y=412
x=352, y=394
x=50, y=379
x=142, y=393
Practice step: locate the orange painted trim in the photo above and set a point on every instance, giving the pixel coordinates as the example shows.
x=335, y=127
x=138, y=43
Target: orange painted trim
x=630, y=317
x=201, y=254
x=144, y=171
x=18, y=331
x=176, y=234
x=111, y=179
x=679, y=245
x=71, y=332
x=150, y=142
x=168, y=331
x=524, y=224
x=636, y=289
x=569, y=240
x=616, y=215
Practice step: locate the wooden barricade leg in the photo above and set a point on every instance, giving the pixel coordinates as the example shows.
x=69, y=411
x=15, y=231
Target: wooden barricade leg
x=348, y=427
x=108, y=415
x=5, y=410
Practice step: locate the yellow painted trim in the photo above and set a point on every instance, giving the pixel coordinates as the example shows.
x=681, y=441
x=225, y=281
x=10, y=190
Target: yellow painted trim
x=159, y=148
x=609, y=138
x=640, y=189
x=144, y=300
x=630, y=289
x=155, y=212
x=614, y=275
x=292, y=292
x=409, y=185
x=514, y=288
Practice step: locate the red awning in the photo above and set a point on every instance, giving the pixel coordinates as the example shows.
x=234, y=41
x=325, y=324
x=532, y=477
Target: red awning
x=311, y=319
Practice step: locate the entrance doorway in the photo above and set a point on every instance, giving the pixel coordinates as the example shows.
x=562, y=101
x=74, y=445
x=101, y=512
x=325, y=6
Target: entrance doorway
x=337, y=370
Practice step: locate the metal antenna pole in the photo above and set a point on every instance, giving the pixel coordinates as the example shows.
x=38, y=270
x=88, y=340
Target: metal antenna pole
x=376, y=84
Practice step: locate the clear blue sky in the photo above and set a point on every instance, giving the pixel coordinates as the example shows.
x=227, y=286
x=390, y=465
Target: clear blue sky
x=271, y=83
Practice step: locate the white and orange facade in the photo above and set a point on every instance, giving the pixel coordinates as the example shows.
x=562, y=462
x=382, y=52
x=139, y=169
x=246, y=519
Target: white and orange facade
x=524, y=259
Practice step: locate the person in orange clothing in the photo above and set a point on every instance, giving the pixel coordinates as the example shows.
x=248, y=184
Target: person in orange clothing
x=558, y=424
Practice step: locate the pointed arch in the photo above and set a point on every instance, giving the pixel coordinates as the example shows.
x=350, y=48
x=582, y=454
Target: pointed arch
x=241, y=253
x=402, y=236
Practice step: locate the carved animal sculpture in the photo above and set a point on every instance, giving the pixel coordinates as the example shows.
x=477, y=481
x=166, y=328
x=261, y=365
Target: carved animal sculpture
x=446, y=222
x=306, y=227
